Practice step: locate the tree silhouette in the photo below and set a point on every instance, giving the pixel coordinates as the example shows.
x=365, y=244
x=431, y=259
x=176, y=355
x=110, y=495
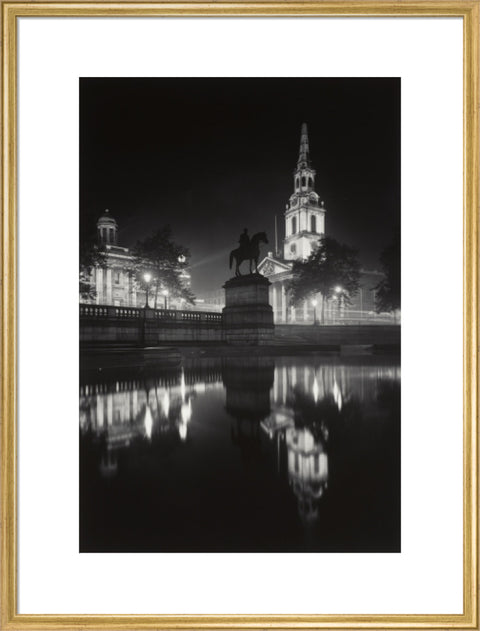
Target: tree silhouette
x=165, y=260
x=91, y=255
x=331, y=264
x=388, y=293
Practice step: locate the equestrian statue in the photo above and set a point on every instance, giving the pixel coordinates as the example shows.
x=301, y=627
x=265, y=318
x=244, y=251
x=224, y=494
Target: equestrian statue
x=249, y=250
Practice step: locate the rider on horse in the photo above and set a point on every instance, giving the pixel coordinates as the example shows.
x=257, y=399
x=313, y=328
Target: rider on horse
x=249, y=250
x=244, y=240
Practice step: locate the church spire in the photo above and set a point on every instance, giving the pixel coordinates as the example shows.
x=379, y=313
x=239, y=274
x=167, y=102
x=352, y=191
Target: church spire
x=304, y=154
x=305, y=213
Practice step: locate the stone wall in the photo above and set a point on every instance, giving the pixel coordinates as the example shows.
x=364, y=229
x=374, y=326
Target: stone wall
x=117, y=326
x=339, y=335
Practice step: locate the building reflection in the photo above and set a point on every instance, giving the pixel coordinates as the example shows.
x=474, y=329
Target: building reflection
x=116, y=413
x=307, y=470
x=307, y=402
x=284, y=410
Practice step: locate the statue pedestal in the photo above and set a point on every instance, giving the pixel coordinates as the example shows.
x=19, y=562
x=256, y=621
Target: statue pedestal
x=247, y=315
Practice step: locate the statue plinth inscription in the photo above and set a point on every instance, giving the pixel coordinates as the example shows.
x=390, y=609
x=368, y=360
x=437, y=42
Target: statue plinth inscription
x=247, y=315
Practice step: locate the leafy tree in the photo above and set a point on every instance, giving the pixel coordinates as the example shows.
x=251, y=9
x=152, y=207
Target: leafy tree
x=387, y=297
x=331, y=264
x=165, y=260
x=91, y=255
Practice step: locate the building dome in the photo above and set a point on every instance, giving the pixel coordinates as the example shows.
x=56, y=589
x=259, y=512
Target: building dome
x=107, y=228
x=107, y=219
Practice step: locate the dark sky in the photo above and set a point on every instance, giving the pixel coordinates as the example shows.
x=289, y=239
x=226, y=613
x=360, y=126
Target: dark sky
x=212, y=156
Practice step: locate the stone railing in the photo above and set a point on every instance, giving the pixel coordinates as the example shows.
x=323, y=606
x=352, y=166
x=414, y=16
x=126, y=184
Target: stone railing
x=93, y=311
x=102, y=312
x=106, y=311
x=127, y=312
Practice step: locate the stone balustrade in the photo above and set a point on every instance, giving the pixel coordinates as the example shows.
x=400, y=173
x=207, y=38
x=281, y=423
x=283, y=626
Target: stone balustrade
x=105, y=325
x=165, y=315
x=136, y=326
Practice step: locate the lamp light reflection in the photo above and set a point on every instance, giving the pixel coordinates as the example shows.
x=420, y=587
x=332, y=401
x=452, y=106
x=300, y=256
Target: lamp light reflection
x=148, y=422
x=166, y=403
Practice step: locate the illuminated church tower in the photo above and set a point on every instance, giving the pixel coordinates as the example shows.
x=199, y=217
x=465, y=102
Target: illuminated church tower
x=305, y=213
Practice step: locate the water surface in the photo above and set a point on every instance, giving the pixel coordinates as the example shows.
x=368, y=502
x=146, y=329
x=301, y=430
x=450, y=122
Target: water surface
x=242, y=454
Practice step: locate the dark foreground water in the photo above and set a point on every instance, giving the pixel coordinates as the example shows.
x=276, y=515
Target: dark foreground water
x=242, y=454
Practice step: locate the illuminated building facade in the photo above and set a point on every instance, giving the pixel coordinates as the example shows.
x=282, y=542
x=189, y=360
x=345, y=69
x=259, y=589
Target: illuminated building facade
x=305, y=213
x=304, y=226
x=115, y=283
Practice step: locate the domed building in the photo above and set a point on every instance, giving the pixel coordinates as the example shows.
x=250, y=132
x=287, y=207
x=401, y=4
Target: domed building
x=107, y=228
x=115, y=282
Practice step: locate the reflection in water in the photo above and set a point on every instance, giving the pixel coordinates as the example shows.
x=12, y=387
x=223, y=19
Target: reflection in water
x=121, y=411
x=233, y=445
x=307, y=469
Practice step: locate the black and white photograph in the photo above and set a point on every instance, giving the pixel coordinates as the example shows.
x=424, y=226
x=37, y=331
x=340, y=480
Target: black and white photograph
x=240, y=315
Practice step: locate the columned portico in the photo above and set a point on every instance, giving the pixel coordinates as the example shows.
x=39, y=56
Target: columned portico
x=109, y=286
x=99, y=284
x=274, y=302
x=284, y=303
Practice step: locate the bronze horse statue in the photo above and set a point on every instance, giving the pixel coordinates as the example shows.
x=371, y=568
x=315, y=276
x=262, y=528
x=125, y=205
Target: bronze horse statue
x=250, y=253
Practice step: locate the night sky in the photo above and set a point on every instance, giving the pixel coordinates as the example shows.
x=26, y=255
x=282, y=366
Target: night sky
x=212, y=156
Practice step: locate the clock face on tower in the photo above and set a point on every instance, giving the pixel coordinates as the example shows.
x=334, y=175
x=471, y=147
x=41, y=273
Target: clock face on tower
x=304, y=221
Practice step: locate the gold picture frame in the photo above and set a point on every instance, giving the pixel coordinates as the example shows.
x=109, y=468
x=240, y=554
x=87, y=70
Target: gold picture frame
x=469, y=12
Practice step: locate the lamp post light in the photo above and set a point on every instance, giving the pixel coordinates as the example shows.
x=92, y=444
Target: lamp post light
x=147, y=277
x=165, y=297
x=314, y=303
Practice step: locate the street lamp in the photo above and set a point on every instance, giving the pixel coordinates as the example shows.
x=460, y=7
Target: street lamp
x=314, y=303
x=147, y=277
x=165, y=296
